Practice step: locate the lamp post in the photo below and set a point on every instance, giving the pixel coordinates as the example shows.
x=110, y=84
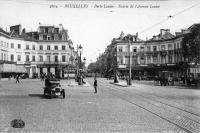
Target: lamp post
x=76, y=60
x=129, y=82
x=80, y=48
x=84, y=61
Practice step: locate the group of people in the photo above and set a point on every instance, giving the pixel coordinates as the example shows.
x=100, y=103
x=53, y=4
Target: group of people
x=43, y=76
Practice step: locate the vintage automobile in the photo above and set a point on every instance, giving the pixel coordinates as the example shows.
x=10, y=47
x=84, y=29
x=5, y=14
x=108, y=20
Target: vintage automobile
x=53, y=88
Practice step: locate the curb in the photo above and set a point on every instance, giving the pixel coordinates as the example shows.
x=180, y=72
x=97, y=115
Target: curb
x=118, y=84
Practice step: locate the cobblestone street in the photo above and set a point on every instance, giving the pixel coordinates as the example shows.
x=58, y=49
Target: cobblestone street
x=139, y=108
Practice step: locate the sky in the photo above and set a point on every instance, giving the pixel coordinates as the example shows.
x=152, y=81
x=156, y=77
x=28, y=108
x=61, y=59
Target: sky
x=94, y=28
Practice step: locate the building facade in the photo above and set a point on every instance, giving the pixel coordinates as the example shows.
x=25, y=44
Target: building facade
x=148, y=58
x=48, y=50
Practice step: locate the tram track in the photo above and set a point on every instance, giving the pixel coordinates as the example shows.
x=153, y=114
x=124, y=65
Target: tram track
x=162, y=102
x=160, y=110
x=166, y=98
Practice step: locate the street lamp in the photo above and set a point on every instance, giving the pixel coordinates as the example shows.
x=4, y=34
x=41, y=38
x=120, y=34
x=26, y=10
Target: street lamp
x=76, y=61
x=80, y=50
x=129, y=82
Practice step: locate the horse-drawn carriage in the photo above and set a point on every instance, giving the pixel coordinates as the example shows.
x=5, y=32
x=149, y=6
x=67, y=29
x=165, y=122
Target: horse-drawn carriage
x=53, y=88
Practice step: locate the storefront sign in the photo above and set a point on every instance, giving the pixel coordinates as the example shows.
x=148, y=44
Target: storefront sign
x=122, y=66
x=195, y=70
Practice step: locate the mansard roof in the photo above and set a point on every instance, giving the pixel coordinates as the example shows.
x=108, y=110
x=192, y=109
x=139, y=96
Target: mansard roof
x=125, y=39
x=4, y=33
x=159, y=37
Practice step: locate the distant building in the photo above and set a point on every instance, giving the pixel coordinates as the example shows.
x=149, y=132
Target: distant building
x=48, y=50
x=162, y=52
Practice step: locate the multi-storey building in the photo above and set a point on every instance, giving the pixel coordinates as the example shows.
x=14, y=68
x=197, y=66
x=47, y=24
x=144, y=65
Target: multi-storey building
x=160, y=53
x=48, y=50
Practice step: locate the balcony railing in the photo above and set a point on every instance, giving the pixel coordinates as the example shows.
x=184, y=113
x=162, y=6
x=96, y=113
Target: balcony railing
x=52, y=62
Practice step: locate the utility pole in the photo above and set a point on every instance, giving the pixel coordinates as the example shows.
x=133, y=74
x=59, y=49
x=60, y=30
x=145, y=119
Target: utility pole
x=129, y=42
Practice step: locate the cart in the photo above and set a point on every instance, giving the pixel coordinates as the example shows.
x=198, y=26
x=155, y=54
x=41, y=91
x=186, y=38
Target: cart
x=53, y=88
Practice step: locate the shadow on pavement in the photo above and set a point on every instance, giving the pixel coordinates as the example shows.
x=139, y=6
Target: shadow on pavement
x=37, y=95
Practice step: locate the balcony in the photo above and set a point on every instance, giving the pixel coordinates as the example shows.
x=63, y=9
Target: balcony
x=52, y=63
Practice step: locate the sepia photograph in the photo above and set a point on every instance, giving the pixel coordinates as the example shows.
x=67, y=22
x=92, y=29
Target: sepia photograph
x=99, y=66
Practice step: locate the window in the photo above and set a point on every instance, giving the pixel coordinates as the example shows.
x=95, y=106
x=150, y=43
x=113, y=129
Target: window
x=120, y=49
x=134, y=49
x=12, y=57
x=1, y=56
x=44, y=37
x=41, y=58
x=5, y=57
x=27, y=46
x=4, y=44
x=19, y=46
x=126, y=59
x=127, y=48
x=56, y=47
x=12, y=45
x=169, y=46
x=120, y=60
x=27, y=58
x=142, y=61
x=148, y=48
x=56, y=36
x=162, y=47
x=48, y=38
x=63, y=58
x=18, y=57
x=134, y=60
x=33, y=58
x=178, y=46
x=154, y=48
x=33, y=47
x=48, y=58
x=148, y=59
x=40, y=37
x=1, y=43
x=7, y=45
x=163, y=59
x=155, y=59
x=41, y=47
x=63, y=47
x=56, y=58
x=52, y=37
x=170, y=59
x=174, y=46
x=48, y=47
x=142, y=49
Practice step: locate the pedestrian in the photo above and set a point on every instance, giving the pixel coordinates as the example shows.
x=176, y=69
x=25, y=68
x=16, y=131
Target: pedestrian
x=17, y=79
x=95, y=85
x=42, y=77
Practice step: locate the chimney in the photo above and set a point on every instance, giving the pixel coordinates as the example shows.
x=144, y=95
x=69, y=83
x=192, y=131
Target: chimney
x=136, y=36
x=60, y=27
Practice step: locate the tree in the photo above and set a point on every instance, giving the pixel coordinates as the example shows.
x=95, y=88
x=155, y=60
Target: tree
x=191, y=43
